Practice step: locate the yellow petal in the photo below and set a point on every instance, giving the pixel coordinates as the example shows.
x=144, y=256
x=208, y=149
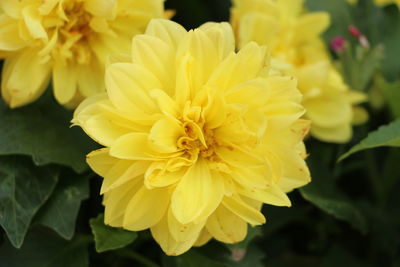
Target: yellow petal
x=215, y=111
x=33, y=22
x=258, y=177
x=200, y=60
x=166, y=104
x=132, y=146
x=158, y=57
x=197, y=195
x=226, y=227
x=165, y=133
x=65, y=82
x=340, y=133
x=24, y=78
x=360, y=116
x=295, y=170
x=116, y=202
x=329, y=110
x=146, y=209
x=100, y=161
x=253, y=91
x=157, y=175
x=313, y=77
x=221, y=35
x=103, y=130
x=272, y=195
x=103, y=8
x=203, y=238
x=128, y=87
x=9, y=37
x=258, y=28
x=166, y=30
x=238, y=157
x=90, y=78
x=11, y=8
x=122, y=172
x=168, y=244
x=243, y=210
x=183, y=232
x=311, y=25
x=232, y=71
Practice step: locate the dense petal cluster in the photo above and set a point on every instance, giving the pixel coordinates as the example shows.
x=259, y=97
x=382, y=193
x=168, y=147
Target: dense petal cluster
x=293, y=37
x=66, y=40
x=196, y=136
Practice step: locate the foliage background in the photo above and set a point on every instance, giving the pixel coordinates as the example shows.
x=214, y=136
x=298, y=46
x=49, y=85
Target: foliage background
x=50, y=209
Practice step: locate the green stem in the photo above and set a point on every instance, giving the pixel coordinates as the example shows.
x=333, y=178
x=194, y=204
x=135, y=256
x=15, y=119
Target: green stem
x=127, y=253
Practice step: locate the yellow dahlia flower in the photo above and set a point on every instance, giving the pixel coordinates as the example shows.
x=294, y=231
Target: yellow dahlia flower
x=66, y=40
x=293, y=37
x=196, y=136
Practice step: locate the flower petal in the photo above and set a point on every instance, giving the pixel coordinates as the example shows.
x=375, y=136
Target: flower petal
x=168, y=244
x=197, y=195
x=116, y=201
x=310, y=26
x=272, y=195
x=146, y=209
x=222, y=36
x=9, y=37
x=24, y=78
x=167, y=30
x=243, y=210
x=65, y=82
x=232, y=71
x=158, y=57
x=128, y=87
x=103, y=8
x=164, y=135
x=226, y=227
x=33, y=22
x=122, y=172
x=183, y=232
x=203, y=238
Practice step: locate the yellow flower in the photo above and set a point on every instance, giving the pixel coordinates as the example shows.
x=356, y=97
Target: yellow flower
x=66, y=40
x=196, y=136
x=293, y=37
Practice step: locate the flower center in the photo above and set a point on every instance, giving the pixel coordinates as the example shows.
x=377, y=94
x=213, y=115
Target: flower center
x=78, y=21
x=198, y=141
x=72, y=24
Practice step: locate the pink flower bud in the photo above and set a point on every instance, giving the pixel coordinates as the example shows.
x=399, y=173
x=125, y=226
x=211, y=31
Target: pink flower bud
x=354, y=31
x=338, y=44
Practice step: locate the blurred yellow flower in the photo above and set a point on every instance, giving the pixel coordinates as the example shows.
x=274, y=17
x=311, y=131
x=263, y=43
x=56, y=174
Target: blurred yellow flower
x=293, y=37
x=66, y=40
x=196, y=136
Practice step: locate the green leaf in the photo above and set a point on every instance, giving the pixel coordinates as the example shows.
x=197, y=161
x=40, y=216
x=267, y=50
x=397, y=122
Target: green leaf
x=42, y=130
x=109, y=238
x=61, y=210
x=387, y=135
x=335, y=204
x=43, y=249
x=23, y=189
